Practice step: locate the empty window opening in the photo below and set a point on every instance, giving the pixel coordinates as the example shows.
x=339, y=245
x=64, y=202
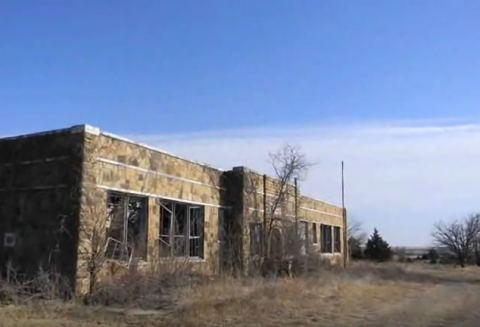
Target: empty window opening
x=126, y=227
x=181, y=230
x=337, y=239
x=326, y=238
x=303, y=233
x=314, y=233
x=9, y=240
x=256, y=239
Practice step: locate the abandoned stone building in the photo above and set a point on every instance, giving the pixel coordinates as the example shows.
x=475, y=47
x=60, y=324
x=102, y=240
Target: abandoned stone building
x=58, y=188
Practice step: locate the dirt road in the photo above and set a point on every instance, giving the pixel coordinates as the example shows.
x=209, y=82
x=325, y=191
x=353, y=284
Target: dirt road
x=449, y=305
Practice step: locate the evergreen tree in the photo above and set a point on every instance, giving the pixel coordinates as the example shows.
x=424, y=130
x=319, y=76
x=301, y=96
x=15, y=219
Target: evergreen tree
x=377, y=248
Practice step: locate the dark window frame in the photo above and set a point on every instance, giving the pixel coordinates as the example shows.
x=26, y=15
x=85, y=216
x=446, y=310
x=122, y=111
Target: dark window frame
x=326, y=239
x=181, y=230
x=337, y=238
x=127, y=226
x=314, y=233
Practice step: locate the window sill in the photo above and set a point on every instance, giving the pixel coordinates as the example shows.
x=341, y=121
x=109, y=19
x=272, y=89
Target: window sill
x=330, y=254
x=186, y=259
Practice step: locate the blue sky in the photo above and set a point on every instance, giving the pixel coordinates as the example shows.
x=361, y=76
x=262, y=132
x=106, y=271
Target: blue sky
x=259, y=71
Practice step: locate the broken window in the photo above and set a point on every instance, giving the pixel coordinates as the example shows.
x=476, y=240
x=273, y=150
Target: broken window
x=256, y=239
x=303, y=232
x=337, y=240
x=314, y=233
x=165, y=223
x=326, y=238
x=181, y=230
x=126, y=227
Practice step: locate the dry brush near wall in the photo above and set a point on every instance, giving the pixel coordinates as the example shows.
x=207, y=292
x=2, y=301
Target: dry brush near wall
x=115, y=165
x=366, y=295
x=97, y=164
x=283, y=212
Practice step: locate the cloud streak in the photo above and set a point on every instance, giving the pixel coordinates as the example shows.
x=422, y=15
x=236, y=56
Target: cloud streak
x=400, y=176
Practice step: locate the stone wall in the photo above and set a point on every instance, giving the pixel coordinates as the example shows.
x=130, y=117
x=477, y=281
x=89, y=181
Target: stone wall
x=39, y=183
x=115, y=164
x=309, y=210
x=53, y=201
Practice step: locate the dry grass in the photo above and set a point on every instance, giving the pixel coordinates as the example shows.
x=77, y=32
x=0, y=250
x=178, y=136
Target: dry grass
x=365, y=295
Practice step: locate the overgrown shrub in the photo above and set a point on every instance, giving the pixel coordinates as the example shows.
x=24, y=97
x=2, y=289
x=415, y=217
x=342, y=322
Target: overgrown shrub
x=15, y=289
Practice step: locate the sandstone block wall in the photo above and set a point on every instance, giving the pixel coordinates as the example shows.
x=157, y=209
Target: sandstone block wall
x=309, y=210
x=39, y=184
x=54, y=194
x=114, y=164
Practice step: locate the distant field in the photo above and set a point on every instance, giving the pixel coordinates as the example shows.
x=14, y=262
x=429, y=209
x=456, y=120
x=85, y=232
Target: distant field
x=365, y=295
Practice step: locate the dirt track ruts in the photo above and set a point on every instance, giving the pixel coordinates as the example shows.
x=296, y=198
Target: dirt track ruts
x=446, y=305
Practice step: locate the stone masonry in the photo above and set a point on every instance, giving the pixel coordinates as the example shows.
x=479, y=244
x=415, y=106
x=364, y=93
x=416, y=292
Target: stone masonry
x=56, y=191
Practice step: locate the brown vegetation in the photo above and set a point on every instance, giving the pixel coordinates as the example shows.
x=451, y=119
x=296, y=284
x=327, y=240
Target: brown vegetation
x=363, y=295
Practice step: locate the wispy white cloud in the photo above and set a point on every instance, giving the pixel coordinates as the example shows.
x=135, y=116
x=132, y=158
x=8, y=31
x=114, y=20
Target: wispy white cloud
x=400, y=177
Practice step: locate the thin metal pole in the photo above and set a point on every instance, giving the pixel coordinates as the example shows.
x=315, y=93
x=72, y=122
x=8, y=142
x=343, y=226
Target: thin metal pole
x=296, y=207
x=344, y=216
x=343, y=186
x=264, y=243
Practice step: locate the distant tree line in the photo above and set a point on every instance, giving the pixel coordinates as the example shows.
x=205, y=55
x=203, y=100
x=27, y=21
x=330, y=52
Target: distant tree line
x=375, y=247
x=458, y=240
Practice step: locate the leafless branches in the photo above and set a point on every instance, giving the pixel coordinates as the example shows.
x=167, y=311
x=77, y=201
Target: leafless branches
x=289, y=164
x=460, y=236
x=356, y=236
x=92, y=247
x=355, y=229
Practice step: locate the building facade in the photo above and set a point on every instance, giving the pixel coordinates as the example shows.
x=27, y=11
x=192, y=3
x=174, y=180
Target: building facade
x=68, y=194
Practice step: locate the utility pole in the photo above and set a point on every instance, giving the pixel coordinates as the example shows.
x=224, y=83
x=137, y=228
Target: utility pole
x=296, y=207
x=265, y=236
x=345, y=226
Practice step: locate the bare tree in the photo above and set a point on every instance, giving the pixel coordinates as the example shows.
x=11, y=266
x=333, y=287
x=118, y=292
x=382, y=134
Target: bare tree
x=459, y=236
x=355, y=229
x=289, y=164
x=92, y=249
x=356, y=236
